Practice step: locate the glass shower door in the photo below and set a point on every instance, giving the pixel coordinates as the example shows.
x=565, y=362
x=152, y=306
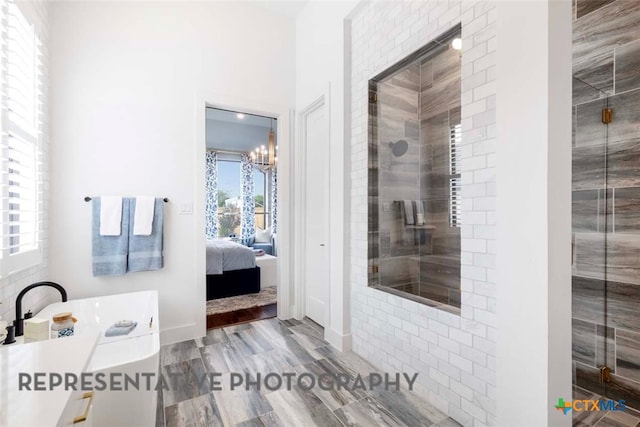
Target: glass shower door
x=591, y=222
x=606, y=261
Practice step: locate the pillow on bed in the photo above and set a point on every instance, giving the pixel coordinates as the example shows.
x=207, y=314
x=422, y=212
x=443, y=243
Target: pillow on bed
x=263, y=236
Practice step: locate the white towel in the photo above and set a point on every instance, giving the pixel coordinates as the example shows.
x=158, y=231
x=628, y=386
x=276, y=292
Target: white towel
x=143, y=215
x=110, y=216
x=408, y=213
x=419, y=212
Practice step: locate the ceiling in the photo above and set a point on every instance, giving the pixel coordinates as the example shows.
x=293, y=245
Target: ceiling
x=289, y=9
x=227, y=132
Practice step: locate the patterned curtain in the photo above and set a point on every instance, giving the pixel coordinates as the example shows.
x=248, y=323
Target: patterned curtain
x=274, y=201
x=211, y=204
x=246, y=197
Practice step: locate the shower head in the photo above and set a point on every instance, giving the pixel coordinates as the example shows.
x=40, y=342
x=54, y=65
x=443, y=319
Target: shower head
x=399, y=148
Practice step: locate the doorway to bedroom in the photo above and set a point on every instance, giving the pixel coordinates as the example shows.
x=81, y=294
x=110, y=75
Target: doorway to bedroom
x=241, y=205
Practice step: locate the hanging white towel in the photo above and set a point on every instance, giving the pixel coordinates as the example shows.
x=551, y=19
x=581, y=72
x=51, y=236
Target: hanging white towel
x=408, y=213
x=143, y=216
x=110, y=215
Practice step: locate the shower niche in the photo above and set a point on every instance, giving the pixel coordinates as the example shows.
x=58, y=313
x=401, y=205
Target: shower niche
x=414, y=175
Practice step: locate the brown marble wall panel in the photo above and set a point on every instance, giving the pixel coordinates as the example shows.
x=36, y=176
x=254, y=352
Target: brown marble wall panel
x=437, y=184
x=606, y=347
x=434, y=292
x=438, y=99
x=584, y=92
x=584, y=7
x=622, y=302
x=588, y=171
x=596, y=34
x=589, y=127
x=444, y=91
x=435, y=140
x=623, y=258
x=621, y=388
x=587, y=299
x=583, y=338
x=628, y=354
x=447, y=244
x=588, y=378
x=619, y=251
x=426, y=75
x=573, y=125
x=627, y=210
x=585, y=210
x=626, y=117
x=398, y=270
x=589, y=255
x=440, y=270
x=627, y=67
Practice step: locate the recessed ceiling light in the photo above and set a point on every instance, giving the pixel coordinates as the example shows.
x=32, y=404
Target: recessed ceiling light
x=240, y=116
x=456, y=43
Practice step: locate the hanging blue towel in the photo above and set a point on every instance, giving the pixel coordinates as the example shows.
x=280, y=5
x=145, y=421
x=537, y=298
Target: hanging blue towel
x=109, y=252
x=145, y=252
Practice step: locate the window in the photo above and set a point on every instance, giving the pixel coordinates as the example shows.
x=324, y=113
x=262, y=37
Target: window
x=229, y=204
x=455, y=183
x=22, y=128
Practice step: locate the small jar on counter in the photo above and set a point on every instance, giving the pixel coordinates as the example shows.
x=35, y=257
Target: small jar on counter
x=62, y=325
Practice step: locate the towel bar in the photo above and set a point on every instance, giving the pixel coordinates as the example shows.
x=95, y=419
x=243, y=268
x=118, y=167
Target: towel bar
x=88, y=199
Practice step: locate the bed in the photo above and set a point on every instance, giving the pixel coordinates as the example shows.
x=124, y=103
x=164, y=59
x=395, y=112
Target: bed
x=231, y=269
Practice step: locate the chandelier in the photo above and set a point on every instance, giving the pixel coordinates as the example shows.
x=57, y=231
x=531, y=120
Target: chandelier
x=264, y=157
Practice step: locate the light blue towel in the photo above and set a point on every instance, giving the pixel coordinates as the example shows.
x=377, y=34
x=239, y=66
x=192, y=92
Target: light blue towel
x=114, y=330
x=145, y=252
x=109, y=252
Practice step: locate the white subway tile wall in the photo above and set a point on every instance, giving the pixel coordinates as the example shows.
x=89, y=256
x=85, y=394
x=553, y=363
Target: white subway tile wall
x=454, y=354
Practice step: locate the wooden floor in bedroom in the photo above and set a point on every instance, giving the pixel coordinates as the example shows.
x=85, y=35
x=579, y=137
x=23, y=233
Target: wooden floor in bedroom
x=241, y=316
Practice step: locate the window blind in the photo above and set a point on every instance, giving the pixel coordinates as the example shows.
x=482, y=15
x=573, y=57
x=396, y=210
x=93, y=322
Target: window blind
x=22, y=124
x=455, y=181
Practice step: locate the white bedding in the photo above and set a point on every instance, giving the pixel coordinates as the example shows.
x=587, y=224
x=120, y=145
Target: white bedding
x=224, y=255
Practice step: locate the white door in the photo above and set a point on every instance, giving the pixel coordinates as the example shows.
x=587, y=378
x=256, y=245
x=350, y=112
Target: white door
x=316, y=212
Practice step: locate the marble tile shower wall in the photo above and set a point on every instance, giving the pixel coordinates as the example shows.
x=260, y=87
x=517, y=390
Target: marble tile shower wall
x=453, y=354
x=606, y=196
x=398, y=118
x=439, y=113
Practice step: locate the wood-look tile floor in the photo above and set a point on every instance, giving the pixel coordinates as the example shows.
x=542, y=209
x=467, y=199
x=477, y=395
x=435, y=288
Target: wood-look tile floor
x=627, y=418
x=273, y=345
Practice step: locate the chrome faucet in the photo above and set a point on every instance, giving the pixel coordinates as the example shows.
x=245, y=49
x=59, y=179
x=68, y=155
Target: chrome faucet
x=19, y=322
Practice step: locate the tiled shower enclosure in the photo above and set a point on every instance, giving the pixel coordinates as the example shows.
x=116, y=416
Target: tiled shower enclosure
x=414, y=181
x=606, y=198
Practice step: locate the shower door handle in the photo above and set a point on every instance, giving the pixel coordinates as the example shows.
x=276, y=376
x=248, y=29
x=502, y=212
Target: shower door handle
x=321, y=244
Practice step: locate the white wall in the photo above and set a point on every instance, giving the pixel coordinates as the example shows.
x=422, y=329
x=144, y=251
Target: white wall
x=320, y=69
x=534, y=212
x=125, y=81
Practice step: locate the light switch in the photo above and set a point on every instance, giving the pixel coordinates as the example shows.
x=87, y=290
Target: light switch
x=186, y=208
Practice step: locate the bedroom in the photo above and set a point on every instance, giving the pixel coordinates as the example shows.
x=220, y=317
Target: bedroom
x=241, y=217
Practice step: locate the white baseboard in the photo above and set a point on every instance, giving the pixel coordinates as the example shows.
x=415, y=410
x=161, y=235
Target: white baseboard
x=178, y=334
x=340, y=341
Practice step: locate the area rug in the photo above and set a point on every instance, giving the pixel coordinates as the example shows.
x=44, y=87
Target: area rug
x=224, y=305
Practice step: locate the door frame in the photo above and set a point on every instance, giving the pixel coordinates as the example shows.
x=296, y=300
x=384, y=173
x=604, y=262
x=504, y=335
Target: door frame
x=285, y=241
x=300, y=196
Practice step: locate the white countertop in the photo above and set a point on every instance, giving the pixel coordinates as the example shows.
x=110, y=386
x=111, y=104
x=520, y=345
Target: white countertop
x=40, y=408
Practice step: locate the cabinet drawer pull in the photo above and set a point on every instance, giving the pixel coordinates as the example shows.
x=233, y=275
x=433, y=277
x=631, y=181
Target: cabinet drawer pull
x=83, y=417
